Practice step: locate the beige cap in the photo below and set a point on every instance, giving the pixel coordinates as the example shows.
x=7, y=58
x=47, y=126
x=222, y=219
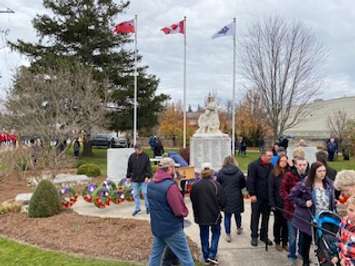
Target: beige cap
x=166, y=162
x=206, y=166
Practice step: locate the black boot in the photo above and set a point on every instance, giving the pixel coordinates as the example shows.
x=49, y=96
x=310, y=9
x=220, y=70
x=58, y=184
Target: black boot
x=254, y=242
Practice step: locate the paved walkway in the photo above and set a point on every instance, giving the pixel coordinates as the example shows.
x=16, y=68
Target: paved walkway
x=238, y=252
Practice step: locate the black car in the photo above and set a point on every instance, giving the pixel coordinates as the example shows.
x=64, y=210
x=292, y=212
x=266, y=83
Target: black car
x=108, y=141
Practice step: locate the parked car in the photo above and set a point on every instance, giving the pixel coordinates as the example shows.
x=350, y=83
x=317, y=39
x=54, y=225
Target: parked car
x=108, y=141
x=122, y=142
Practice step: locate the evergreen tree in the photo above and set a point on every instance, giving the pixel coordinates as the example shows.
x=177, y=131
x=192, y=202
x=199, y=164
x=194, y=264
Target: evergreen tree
x=81, y=30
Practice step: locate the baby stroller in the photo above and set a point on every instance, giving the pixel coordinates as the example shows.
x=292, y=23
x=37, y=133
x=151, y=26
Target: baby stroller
x=326, y=225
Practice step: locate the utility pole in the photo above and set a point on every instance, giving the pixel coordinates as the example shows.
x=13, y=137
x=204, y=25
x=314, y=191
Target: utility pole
x=6, y=11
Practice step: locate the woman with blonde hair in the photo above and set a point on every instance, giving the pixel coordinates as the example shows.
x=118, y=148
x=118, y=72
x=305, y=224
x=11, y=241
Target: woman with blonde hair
x=345, y=182
x=233, y=181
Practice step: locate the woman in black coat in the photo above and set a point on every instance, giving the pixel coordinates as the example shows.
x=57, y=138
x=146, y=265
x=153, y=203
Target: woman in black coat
x=233, y=181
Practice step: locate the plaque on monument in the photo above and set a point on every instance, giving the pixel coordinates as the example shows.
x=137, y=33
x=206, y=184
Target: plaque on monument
x=209, y=144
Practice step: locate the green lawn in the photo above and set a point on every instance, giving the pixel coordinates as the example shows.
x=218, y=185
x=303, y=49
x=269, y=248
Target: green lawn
x=338, y=164
x=243, y=161
x=99, y=158
x=343, y=165
x=12, y=253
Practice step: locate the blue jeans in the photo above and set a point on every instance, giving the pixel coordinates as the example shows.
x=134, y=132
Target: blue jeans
x=138, y=188
x=178, y=245
x=228, y=218
x=209, y=251
x=292, y=240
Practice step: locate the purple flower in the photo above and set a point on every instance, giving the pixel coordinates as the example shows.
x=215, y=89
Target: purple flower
x=64, y=190
x=91, y=188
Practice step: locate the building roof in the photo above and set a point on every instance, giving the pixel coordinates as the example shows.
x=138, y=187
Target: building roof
x=315, y=124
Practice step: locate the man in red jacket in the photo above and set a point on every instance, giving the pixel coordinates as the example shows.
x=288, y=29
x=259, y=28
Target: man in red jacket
x=292, y=177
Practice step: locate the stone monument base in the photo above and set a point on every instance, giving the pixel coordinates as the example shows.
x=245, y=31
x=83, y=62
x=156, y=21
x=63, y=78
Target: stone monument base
x=117, y=161
x=209, y=148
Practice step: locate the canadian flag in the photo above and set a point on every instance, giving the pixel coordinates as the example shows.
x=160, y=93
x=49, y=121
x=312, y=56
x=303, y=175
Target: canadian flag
x=124, y=27
x=178, y=27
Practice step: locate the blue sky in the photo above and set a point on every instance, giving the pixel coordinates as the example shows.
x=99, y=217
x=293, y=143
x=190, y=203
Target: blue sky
x=209, y=61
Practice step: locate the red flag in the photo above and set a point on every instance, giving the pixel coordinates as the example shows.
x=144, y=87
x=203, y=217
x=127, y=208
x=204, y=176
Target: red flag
x=178, y=27
x=124, y=27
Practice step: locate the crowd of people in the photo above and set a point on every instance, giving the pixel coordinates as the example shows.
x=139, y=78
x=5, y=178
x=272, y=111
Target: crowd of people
x=290, y=188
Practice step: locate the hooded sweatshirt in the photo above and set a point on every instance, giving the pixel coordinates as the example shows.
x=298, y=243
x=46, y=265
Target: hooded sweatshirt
x=174, y=195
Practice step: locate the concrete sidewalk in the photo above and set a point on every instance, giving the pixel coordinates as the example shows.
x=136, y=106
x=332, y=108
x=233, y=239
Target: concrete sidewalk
x=238, y=252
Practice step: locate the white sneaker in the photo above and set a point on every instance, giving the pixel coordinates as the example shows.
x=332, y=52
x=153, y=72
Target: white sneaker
x=214, y=261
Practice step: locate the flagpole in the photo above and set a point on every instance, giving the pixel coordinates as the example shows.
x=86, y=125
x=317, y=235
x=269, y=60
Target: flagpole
x=135, y=82
x=184, y=133
x=234, y=81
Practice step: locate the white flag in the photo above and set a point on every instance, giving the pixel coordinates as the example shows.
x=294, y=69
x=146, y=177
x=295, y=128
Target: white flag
x=227, y=30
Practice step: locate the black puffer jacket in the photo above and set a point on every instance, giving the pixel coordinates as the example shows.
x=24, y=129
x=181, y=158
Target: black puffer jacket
x=139, y=167
x=232, y=181
x=208, y=201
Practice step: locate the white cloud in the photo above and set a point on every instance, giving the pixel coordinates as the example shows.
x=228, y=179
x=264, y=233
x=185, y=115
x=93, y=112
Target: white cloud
x=210, y=61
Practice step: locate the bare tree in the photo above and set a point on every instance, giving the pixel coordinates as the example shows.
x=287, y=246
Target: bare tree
x=282, y=61
x=57, y=104
x=338, y=123
x=250, y=117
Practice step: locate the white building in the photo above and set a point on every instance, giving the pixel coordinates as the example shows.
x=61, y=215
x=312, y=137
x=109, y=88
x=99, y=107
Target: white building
x=315, y=125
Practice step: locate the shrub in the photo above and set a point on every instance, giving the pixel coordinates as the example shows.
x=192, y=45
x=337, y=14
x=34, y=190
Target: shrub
x=79, y=163
x=18, y=160
x=22, y=164
x=89, y=170
x=10, y=206
x=45, y=201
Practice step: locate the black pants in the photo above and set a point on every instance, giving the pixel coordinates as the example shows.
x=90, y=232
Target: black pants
x=331, y=156
x=304, y=247
x=261, y=207
x=183, y=186
x=280, y=228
